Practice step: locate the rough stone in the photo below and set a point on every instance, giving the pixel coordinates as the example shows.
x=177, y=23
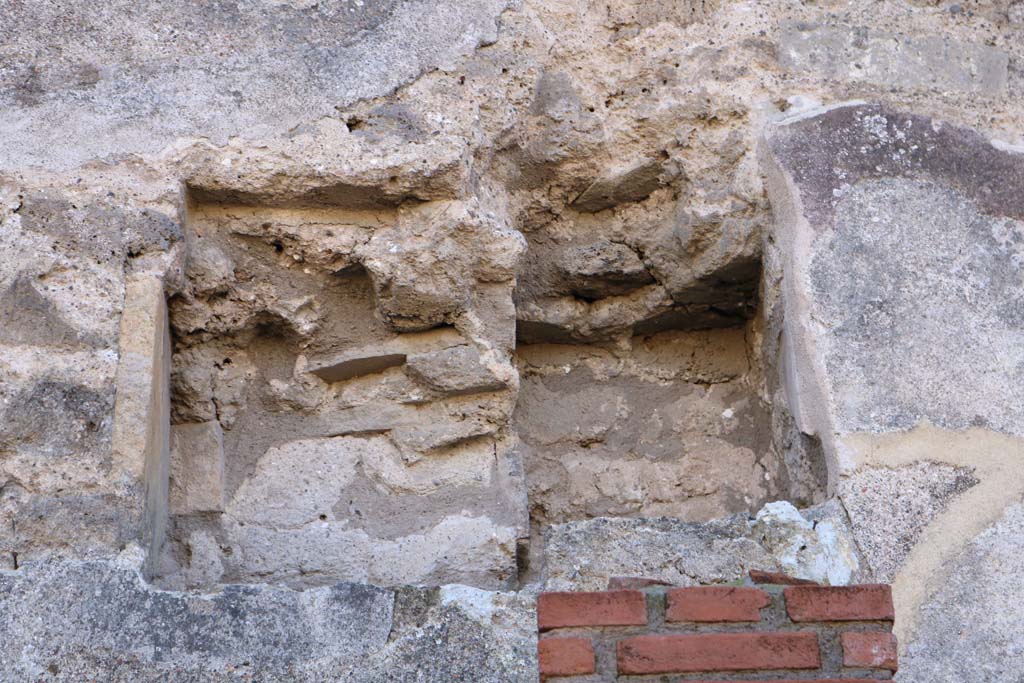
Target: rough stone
x=102, y=84
x=75, y=621
x=818, y=547
x=910, y=313
x=356, y=433
x=454, y=371
x=569, y=189
x=296, y=519
x=898, y=271
x=663, y=426
x=814, y=544
x=595, y=271
x=890, y=507
x=585, y=555
x=620, y=186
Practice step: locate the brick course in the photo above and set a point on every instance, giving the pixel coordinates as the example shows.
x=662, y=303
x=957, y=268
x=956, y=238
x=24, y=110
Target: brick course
x=716, y=603
x=718, y=652
x=611, y=608
x=725, y=633
x=840, y=603
x=565, y=657
x=869, y=650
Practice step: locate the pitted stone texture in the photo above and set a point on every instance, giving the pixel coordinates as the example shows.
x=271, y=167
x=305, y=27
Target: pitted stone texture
x=456, y=370
x=357, y=362
x=296, y=520
x=661, y=425
x=77, y=621
x=278, y=64
x=815, y=543
x=897, y=272
x=584, y=555
x=973, y=622
x=905, y=270
x=890, y=507
x=620, y=186
x=919, y=61
x=423, y=268
x=63, y=258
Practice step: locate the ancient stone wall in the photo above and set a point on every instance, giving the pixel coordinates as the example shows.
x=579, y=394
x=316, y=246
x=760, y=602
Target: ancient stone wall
x=408, y=311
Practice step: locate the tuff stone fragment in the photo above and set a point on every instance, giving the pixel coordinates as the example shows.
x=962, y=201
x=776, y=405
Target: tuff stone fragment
x=197, y=468
x=454, y=371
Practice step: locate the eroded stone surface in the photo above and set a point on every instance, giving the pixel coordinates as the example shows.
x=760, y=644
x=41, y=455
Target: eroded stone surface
x=904, y=316
x=132, y=96
x=817, y=545
x=890, y=507
x=361, y=385
x=564, y=172
x=74, y=621
x=973, y=622
x=664, y=425
x=814, y=544
x=920, y=61
x=898, y=240
x=197, y=468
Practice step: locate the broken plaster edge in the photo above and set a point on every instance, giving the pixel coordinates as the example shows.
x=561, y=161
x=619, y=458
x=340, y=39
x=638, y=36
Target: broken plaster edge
x=995, y=460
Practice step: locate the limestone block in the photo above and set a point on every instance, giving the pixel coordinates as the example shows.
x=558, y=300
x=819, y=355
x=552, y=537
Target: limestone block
x=454, y=371
x=197, y=468
x=706, y=256
x=814, y=543
x=205, y=568
x=418, y=438
x=820, y=549
x=297, y=482
x=603, y=269
x=903, y=61
x=902, y=239
x=425, y=268
x=584, y=555
x=141, y=439
x=620, y=186
x=350, y=508
x=382, y=355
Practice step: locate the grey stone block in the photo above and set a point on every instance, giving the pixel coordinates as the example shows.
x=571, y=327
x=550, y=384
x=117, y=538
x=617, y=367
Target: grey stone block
x=78, y=621
x=903, y=61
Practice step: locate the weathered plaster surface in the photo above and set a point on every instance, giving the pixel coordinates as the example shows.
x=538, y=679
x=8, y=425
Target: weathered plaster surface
x=901, y=288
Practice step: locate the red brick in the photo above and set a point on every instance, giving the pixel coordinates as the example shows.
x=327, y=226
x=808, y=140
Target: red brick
x=716, y=603
x=812, y=680
x=718, y=652
x=611, y=608
x=869, y=650
x=779, y=579
x=840, y=603
x=565, y=657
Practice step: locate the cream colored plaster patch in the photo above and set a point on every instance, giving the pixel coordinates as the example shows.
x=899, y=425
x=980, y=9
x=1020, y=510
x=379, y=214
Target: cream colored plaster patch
x=998, y=463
